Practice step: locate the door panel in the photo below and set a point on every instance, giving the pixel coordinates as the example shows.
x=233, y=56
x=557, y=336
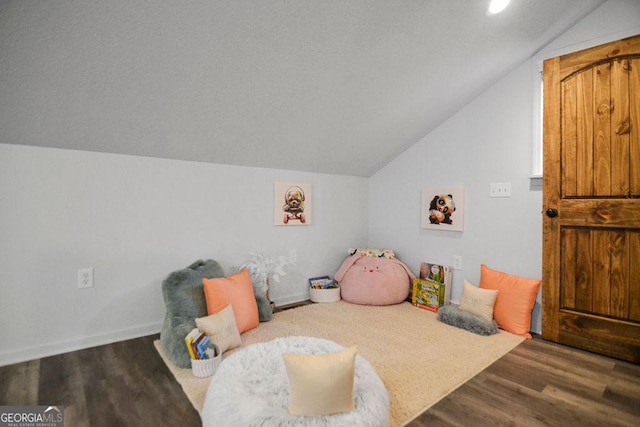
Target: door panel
x=591, y=272
x=596, y=274
x=634, y=134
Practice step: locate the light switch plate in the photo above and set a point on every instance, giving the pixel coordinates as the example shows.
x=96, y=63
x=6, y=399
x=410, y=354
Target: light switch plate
x=500, y=189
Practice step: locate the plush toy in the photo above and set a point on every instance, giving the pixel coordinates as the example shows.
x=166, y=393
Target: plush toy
x=372, y=280
x=441, y=208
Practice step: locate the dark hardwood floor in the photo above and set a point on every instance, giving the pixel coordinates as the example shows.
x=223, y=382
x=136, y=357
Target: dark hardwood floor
x=120, y=384
x=538, y=383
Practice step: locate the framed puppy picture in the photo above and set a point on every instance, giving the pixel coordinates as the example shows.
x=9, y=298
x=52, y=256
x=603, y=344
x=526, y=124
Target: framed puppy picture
x=292, y=204
x=442, y=208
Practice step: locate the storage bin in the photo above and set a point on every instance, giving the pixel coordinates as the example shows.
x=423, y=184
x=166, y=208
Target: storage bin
x=324, y=295
x=203, y=368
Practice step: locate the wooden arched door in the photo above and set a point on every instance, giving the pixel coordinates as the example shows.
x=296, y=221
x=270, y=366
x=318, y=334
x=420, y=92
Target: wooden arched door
x=591, y=225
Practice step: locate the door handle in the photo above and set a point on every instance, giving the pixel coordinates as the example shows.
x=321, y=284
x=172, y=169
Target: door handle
x=552, y=213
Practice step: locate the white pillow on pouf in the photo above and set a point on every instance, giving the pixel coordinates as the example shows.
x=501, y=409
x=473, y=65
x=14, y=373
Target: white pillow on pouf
x=321, y=384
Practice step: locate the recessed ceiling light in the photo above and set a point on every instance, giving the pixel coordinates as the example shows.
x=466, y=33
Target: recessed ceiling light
x=497, y=6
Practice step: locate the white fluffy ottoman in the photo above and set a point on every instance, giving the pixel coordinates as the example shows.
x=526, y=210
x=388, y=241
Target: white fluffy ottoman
x=251, y=388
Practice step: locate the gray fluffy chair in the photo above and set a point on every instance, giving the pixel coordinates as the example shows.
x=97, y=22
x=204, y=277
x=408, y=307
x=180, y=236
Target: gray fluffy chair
x=184, y=297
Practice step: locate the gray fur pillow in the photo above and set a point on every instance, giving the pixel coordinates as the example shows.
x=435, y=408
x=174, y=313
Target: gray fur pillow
x=452, y=315
x=184, y=297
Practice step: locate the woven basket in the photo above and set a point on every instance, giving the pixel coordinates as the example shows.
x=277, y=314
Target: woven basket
x=203, y=368
x=324, y=295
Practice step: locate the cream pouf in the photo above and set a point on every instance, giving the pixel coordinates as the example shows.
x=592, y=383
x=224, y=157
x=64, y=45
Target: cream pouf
x=251, y=387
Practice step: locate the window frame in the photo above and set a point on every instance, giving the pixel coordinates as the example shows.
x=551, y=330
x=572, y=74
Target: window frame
x=538, y=120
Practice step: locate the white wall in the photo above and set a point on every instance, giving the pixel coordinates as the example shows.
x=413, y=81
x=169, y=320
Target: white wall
x=134, y=220
x=490, y=140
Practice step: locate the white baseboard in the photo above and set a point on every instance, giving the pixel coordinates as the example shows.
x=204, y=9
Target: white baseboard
x=290, y=299
x=52, y=349
x=80, y=343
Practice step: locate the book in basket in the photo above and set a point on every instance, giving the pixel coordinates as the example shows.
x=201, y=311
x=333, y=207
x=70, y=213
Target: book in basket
x=432, y=289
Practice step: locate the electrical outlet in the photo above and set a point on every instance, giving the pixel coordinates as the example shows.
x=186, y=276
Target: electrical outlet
x=85, y=278
x=500, y=189
x=457, y=262
x=293, y=256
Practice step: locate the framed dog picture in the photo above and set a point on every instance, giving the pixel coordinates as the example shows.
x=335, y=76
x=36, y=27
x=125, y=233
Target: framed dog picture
x=442, y=208
x=292, y=204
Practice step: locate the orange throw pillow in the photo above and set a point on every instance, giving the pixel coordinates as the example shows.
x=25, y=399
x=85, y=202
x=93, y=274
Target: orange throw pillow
x=236, y=290
x=515, y=301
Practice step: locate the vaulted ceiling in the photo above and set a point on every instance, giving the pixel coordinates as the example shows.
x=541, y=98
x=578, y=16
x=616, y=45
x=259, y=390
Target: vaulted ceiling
x=328, y=86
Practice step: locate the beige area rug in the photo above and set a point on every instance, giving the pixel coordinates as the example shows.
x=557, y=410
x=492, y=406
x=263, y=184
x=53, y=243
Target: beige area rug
x=419, y=359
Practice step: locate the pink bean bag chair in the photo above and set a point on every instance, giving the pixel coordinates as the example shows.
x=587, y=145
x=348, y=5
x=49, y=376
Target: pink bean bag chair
x=373, y=280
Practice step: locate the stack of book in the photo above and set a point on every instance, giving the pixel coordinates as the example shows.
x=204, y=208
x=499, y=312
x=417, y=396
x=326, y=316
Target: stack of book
x=323, y=282
x=433, y=288
x=199, y=345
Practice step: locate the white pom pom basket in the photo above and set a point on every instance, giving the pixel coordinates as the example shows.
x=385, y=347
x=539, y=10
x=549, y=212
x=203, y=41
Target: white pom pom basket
x=324, y=295
x=203, y=368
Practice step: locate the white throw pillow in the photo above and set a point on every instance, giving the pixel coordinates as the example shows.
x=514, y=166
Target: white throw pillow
x=221, y=328
x=478, y=301
x=321, y=384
